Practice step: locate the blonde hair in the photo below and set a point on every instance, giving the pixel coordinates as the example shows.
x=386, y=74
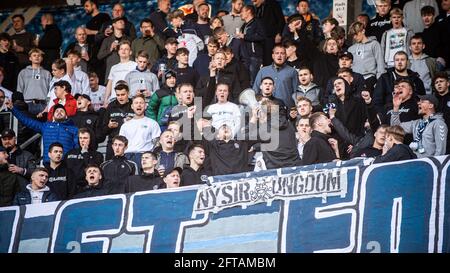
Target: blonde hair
x=396, y=132
x=35, y=50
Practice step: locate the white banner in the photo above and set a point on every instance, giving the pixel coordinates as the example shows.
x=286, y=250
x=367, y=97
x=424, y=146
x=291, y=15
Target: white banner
x=340, y=11
x=247, y=192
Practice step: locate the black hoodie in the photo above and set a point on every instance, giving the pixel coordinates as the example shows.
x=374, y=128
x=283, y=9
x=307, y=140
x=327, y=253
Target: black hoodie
x=396, y=153
x=351, y=112
x=382, y=95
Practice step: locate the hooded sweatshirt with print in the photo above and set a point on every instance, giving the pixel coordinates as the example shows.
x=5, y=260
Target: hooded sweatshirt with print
x=368, y=58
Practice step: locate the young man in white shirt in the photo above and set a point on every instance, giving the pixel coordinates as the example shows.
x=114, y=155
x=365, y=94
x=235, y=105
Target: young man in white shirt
x=96, y=91
x=140, y=131
x=395, y=39
x=81, y=78
x=119, y=71
x=224, y=112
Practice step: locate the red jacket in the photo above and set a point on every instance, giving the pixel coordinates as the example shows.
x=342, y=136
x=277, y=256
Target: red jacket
x=70, y=106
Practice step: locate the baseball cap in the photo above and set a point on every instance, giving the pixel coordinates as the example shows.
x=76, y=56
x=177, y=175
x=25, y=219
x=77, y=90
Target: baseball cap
x=169, y=171
x=118, y=19
x=430, y=98
x=170, y=73
x=294, y=17
x=82, y=95
x=8, y=133
x=345, y=54
x=56, y=106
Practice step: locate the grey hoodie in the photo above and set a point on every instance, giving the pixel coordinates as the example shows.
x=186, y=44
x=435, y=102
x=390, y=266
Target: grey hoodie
x=426, y=67
x=434, y=138
x=368, y=58
x=34, y=83
x=312, y=92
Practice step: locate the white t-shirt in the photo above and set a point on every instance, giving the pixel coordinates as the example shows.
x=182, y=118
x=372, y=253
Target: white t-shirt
x=82, y=81
x=140, y=133
x=227, y=113
x=8, y=94
x=119, y=72
x=97, y=97
x=51, y=94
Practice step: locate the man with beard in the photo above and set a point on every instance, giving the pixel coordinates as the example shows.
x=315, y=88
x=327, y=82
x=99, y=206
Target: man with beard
x=158, y=17
x=321, y=148
x=167, y=158
x=286, y=78
x=92, y=28
x=60, y=130
x=429, y=132
x=150, y=42
x=21, y=162
x=382, y=94
x=140, y=131
x=233, y=21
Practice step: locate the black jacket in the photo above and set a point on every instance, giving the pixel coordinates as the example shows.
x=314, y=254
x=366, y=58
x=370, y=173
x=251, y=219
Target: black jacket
x=408, y=111
x=78, y=161
x=382, y=95
x=357, y=86
x=396, y=153
x=325, y=67
x=50, y=43
x=92, y=191
x=272, y=17
x=144, y=182
x=24, y=198
x=159, y=22
x=9, y=62
x=9, y=186
x=207, y=85
x=86, y=119
x=193, y=177
x=227, y=157
x=58, y=181
x=285, y=154
x=378, y=25
x=117, y=170
x=254, y=37
x=317, y=149
x=444, y=108
x=118, y=112
x=23, y=159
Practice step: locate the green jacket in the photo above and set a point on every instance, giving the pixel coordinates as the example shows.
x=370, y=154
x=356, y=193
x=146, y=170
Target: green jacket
x=159, y=101
x=152, y=45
